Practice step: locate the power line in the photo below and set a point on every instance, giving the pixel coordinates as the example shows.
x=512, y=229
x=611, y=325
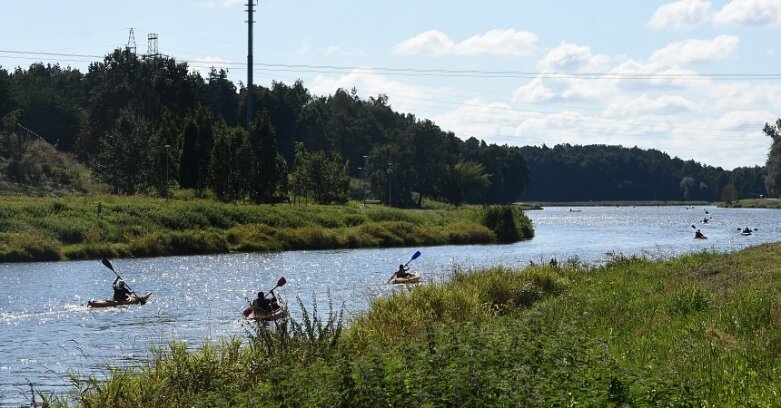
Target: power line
x=446, y=73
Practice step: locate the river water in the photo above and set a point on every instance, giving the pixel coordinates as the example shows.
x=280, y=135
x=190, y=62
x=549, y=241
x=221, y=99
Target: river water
x=48, y=333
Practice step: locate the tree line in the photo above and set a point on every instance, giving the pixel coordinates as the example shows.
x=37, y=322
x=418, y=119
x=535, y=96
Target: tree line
x=600, y=172
x=146, y=124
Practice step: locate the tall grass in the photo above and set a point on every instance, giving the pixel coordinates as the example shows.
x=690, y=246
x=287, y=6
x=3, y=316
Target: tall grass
x=106, y=226
x=701, y=330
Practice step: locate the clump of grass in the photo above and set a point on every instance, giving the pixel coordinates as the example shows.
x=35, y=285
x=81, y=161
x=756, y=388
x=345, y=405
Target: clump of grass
x=690, y=299
x=16, y=247
x=190, y=242
x=508, y=223
x=468, y=296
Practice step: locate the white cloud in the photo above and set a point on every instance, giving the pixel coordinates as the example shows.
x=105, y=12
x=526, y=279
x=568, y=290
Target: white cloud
x=210, y=4
x=330, y=50
x=681, y=14
x=573, y=58
x=534, y=92
x=664, y=105
x=697, y=50
x=205, y=64
x=638, y=75
x=403, y=97
x=755, y=13
x=495, y=42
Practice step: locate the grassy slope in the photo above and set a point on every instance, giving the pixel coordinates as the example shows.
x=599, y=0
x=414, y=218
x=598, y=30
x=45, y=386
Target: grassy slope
x=702, y=330
x=35, y=229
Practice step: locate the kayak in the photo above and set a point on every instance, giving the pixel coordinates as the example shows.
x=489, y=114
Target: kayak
x=413, y=277
x=275, y=314
x=131, y=300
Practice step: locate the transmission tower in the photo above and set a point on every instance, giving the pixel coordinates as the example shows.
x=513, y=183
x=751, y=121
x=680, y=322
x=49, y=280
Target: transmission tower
x=131, y=41
x=152, y=45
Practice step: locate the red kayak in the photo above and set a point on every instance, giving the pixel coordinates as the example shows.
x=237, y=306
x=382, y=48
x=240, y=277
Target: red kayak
x=131, y=300
x=279, y=312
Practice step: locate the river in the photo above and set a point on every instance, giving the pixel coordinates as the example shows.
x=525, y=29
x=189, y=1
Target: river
x=48, y=332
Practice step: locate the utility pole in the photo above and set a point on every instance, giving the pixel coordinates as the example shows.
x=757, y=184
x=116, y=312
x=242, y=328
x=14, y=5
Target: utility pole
x=390, y=172
x=250, y=96
x=167, y=150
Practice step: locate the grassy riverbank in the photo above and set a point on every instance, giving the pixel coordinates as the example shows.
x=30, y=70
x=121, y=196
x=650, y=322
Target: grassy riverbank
x=44, y=229
x=753, y=203
x=701, y=330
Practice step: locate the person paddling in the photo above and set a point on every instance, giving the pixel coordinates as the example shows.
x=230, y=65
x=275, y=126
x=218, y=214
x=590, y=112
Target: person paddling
x=121, y=291
x=263, y=305
x=699, y=235
x=402, y=272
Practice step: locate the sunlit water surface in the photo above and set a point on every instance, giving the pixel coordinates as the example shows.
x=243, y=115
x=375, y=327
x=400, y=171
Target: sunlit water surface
x=47, y=332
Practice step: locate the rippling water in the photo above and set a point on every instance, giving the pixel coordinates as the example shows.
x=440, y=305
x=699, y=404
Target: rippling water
x=48, y=332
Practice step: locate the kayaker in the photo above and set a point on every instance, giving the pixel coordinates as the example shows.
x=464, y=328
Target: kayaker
x=402, y=272
x=121, y=291
x=262, y=304
x=746, y=230
x=699, y=235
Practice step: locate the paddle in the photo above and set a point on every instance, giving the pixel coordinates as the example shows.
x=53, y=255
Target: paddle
x=414, y=257
x=281, y=282
x=110, y=266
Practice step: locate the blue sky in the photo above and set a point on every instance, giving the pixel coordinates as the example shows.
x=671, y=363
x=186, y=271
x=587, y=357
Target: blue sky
x=693, y=78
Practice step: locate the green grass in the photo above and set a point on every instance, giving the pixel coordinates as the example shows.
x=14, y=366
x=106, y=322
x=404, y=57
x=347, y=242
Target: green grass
x=43, y=229
x=753, y=203
x=700, y=330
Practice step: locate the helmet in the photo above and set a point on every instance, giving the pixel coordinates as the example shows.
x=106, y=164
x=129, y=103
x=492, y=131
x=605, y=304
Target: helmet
x=260, y=295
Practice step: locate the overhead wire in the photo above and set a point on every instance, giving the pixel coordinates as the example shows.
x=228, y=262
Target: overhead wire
x=445, y=106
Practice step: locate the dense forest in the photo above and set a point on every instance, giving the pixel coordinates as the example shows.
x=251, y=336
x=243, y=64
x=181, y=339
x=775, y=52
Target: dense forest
x=148, y=124
x=598, y=172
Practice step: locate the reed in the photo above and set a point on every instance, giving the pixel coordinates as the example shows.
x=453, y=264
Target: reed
x=106, y=226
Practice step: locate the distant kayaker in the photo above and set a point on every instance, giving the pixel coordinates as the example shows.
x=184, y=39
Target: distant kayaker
x=402, y=272
x=746, y=230
x=262, y=304
x=699, y=235
x=121, y=291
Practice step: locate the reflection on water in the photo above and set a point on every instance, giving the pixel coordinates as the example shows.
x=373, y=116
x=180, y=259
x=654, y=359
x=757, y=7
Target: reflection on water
x=48, y=331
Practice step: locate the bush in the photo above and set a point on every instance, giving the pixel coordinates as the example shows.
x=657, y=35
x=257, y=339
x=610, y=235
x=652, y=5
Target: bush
x=504, y=222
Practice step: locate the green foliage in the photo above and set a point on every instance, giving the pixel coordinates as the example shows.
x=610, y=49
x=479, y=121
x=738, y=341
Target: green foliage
x=95, y=227
x=508, y=223
x=567, y=173
x=773, y=165
x=325, y=179
x=122, y=161
x=16, y=247
x=689, y=300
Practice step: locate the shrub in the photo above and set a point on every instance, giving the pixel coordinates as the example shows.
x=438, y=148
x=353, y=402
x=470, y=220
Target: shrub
x=508, y=223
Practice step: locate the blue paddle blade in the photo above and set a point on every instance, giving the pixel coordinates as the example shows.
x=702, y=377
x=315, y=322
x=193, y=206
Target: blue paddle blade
x=415, y=255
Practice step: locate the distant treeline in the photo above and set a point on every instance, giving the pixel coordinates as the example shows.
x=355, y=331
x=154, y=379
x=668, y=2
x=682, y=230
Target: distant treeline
x=148, y=124
x=602, y=173
x=144, y=125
